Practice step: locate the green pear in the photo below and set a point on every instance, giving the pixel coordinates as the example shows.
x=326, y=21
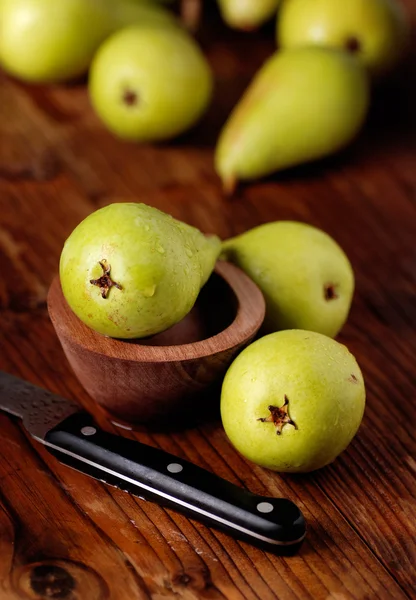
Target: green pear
x=149, y=84
x=44, y=41
x=132, y=12
x=130, y=271
x=292, y=401
x=374, y=30
x=302, y=105
x=306, y=278
x=247, y=14
x=55, y=40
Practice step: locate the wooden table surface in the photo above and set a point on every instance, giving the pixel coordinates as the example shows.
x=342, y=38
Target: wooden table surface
x=64, y=535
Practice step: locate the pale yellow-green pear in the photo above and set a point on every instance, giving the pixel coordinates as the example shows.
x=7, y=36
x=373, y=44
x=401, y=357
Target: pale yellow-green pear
x=302, y=105
x=247, y=14
x=293, y=401
x=150, y=83
x=129, y=270
x=47, y=41
x=305, y=276
x=375, y=31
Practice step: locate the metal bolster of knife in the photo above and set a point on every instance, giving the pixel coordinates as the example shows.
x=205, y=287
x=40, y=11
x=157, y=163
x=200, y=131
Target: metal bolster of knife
x=273, y=523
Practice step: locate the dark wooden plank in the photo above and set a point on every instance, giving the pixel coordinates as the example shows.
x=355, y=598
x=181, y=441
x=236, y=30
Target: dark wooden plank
x=57, y=164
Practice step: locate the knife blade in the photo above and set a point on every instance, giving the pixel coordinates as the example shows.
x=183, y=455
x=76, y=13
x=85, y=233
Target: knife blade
x=73, y=437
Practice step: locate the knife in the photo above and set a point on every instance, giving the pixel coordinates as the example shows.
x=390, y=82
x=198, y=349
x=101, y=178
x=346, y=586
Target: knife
x=72, y=436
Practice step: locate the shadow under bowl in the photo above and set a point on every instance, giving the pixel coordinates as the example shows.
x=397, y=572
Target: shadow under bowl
x=161, y=378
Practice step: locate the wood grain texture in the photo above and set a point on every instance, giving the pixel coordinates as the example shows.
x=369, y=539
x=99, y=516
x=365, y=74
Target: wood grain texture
x=162, y=377
x=67, y=536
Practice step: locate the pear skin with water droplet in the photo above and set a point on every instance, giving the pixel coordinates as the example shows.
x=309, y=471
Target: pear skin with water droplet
x=130, y=270
x=303, y=273
x=247, y=14
x=302, y=105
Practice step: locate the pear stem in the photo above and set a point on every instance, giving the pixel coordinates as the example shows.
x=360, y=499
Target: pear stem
x=229, y=185
x=191, y=11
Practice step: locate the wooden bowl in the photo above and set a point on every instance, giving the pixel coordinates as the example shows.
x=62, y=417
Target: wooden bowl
x=160, y=377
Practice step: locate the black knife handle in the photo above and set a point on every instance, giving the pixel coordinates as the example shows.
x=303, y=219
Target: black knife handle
x=274, y=524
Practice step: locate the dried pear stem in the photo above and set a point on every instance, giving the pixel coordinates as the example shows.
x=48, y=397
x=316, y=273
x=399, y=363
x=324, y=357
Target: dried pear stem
x=229, y=185
x=191, y=11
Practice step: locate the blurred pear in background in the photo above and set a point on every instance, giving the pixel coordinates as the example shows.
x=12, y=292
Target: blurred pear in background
x=375, y=31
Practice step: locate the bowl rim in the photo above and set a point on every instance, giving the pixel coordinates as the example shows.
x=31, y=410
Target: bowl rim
x=248, y=319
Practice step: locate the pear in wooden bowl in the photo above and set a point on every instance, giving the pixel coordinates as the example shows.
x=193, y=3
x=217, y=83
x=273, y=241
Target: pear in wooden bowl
x=167, y=375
